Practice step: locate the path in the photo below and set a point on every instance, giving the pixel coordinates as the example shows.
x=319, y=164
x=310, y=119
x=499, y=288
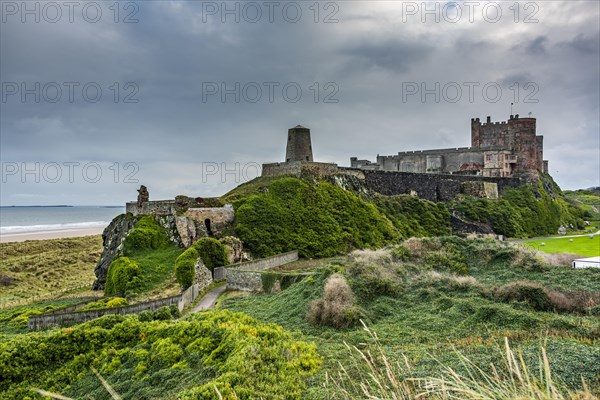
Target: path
x=555, y=237
x=209, y=299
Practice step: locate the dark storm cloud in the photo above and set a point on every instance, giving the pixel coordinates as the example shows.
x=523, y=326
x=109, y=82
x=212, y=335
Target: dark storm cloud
x=396, y=56
x=174, y=51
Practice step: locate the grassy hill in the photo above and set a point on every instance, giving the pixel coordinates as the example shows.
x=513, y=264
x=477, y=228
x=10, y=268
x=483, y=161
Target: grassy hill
x=422, y=314
x=39, y=268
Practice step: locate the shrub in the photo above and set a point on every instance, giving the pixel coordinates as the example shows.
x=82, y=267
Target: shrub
x=106, y=303
x=448, y=261
x=213, y=252
x=121, y=277
x=116, y=302
x=336, y=307
x=401, y=253
x=145, y=235
x=185, y=267
x=532, y=293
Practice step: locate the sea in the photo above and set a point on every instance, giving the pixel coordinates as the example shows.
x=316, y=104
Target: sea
x=15, y=219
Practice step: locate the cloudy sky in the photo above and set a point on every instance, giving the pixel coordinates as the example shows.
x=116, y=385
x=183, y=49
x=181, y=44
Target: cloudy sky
x=190, y=97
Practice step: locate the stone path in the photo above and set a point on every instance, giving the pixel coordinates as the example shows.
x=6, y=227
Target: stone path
x=209, y=299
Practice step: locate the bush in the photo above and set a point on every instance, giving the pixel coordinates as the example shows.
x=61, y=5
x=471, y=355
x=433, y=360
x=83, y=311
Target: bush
x=213, y=252
x=106, y=303
x=401, y=253
x=145, y=235
x=121, y=277
x=185, y=267
x=451, y=262
x=183, y=359
x=532, y=293
x=336, y=307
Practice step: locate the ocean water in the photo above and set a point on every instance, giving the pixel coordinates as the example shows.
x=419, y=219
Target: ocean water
x=14, y=220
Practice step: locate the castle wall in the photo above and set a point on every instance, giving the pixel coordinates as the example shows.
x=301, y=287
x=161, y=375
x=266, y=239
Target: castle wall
x=539, y=148
x=433, y=161
x=522, y=141
x=488, y=134
x=433, y=187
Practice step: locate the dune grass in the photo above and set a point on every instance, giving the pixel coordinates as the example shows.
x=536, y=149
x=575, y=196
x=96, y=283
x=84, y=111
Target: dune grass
x=37, y=268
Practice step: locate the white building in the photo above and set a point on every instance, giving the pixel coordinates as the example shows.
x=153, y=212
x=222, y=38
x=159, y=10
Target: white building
x=592, y=262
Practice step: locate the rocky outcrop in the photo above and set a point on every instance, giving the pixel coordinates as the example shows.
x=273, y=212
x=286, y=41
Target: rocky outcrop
x=234, y=248
x=203, y=275
x=114, y=235
x=169, y=224
x=112, y=241
x=462, y=226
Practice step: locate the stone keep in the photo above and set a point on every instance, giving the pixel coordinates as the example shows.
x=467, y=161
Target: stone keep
x=299, y=147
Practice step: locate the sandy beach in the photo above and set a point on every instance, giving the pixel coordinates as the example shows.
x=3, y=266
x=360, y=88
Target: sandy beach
x=50, y=234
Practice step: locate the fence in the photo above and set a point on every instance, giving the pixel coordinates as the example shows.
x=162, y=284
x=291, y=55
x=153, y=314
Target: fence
x=62, y=317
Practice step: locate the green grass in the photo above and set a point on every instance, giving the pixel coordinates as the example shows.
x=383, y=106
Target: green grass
x=157, y=266
x=151, y=356
x=43, y=267
x=427, y=317
x=582, y=245
x=13, y=320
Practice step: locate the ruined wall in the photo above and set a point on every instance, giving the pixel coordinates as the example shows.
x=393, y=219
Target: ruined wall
x=296, y=168
x=151, y=207
x=431, y=187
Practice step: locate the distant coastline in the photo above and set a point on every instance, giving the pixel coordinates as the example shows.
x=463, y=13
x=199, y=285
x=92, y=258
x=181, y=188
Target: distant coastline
x=20, y=223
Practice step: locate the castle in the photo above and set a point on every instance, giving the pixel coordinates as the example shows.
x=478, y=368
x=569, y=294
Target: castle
x=498, y=149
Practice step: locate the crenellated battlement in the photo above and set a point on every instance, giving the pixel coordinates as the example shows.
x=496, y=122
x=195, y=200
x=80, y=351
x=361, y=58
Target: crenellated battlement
x=498, y=148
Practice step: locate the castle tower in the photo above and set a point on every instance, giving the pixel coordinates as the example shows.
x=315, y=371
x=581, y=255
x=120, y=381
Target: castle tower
x=298, y=145
x=523, y=142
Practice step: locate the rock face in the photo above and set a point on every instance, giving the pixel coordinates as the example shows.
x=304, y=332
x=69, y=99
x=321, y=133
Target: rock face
x=188, y=230
x=203, y=275
x=169, y=224
x=235, y=249
x=114, y=235
x=461, y=226
x=112, y=241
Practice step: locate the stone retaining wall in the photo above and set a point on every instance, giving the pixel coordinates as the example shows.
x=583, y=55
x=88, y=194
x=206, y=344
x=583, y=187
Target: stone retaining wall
x=265, y=263
x=53, y=319
x=246, y=276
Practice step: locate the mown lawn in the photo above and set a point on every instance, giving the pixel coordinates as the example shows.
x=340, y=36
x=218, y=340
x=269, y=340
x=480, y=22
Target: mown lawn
x=581, y=245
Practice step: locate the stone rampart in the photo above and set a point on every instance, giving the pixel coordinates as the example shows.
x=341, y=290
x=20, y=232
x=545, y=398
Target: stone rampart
x=432, y=187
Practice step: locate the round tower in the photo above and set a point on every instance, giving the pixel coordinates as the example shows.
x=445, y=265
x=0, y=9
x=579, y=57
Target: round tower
x=298, y=144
